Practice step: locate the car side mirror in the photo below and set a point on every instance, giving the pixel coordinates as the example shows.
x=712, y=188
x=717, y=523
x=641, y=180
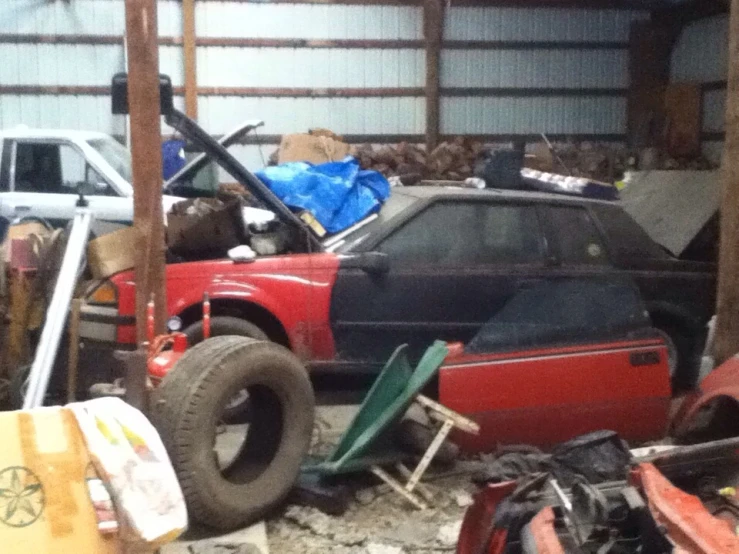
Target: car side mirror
x=119, y=94
x=374, y=263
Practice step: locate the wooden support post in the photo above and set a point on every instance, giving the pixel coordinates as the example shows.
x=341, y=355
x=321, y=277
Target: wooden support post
x=727, y=312
x=146, y=148
x=189, y=38
x=650, y=47
x=433, y=24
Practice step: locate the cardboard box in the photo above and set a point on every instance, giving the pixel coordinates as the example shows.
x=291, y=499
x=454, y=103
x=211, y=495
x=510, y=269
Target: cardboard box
x=316, y=149
x=44, y=467
x=112, y=253
x=209, y=234
x=22, y=231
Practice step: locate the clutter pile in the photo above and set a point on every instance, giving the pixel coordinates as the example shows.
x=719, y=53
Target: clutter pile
x=452, y=160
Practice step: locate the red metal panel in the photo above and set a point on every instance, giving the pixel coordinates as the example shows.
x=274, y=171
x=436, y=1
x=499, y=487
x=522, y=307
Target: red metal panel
x=544, y=397
x=295, y=289
x=722, y=382
x=688, y=524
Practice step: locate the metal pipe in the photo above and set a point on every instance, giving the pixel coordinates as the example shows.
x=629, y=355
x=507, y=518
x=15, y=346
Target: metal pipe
x=56, y=314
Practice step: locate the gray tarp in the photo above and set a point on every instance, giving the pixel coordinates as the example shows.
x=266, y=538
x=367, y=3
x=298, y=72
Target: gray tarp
x=672, y=206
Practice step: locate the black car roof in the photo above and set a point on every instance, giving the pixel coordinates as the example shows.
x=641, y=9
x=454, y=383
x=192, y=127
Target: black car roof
x=433, y=191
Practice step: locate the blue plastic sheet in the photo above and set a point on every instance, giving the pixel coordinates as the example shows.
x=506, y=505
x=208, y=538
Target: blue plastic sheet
x=173, y=157
x=338, y=194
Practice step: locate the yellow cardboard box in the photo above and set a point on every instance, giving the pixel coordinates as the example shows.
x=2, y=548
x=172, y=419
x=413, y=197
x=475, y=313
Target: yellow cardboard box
x=44, y=503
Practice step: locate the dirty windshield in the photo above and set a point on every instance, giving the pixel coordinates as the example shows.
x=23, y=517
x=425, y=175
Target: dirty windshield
x=564, y=311
x=115, y=154
x=348, y=241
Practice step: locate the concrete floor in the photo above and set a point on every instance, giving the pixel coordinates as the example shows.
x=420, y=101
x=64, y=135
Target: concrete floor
x=377, y=522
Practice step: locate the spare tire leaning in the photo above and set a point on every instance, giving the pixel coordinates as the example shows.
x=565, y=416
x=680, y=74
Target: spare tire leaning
x=186, y=410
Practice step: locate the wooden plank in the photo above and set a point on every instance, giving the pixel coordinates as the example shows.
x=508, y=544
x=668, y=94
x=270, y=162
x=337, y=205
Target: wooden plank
x=379, y=44
x=190, y=58
x=143, y=99
x=433, y=25
x=309, y=43
x=710, y=86
x=310, y=92
x=682, y=106
x=650, y=47
x=534, y=45
x=727, y=311
x=55, y=90
x=527, y=92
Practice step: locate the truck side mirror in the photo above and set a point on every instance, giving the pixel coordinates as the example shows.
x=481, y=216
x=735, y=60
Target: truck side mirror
x=119, y=94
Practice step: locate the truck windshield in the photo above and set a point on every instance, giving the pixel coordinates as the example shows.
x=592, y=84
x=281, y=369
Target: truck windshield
x=115, y=154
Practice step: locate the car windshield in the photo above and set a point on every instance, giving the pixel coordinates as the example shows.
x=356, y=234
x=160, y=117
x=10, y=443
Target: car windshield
x=398, y=202
x=115, y=154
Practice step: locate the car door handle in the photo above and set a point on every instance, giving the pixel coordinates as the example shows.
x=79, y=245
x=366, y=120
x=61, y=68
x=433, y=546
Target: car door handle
x=22, y=209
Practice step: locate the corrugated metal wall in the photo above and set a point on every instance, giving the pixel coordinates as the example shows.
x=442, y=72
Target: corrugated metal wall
x=700, y=56
x=599, y=63
x=502, y=73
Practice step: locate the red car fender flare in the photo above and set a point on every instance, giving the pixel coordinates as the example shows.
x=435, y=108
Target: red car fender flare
x=722, y=382
x=231, y=290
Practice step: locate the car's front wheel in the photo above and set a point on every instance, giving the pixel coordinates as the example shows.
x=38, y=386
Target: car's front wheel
x=237, y=408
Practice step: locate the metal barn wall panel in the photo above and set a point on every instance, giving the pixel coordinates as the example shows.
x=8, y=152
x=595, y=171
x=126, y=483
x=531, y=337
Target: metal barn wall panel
x=306, y=67
x=61, y=112
x=390, y=115
x=75, y=64
x=83, y=17
x=714, y=110
x=539, y=24
x=530, y=67
x=80, y=17
x=572, y=115
x=535, y=68
x=310, y=21
x=701, y=51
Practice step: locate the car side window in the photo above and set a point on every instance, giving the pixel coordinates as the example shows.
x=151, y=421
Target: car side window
x=467, y=233
x=578, y=237
x=55, y=169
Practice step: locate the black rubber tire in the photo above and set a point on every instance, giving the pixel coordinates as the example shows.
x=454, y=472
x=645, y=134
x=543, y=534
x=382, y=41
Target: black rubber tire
x=185, y=410
x=224, y=326
x=686, y=362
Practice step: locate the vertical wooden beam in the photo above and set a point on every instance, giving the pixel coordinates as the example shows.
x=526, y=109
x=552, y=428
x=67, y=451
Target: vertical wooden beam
x=189, y=39
x=433, y=25
x=146, y=148
x=727, y=311
x=650, y=48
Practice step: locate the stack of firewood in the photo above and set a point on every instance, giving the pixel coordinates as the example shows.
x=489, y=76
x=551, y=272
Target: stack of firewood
x=452, y=160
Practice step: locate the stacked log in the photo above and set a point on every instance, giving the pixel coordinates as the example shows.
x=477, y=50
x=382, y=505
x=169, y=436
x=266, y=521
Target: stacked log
x=452, y=160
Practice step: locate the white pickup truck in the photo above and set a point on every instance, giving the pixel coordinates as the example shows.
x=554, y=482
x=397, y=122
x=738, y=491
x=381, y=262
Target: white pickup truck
x=42, y=172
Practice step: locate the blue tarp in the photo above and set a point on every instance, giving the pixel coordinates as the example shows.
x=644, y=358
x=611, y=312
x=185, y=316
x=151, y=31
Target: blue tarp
x=338, y=194
x=173, y=157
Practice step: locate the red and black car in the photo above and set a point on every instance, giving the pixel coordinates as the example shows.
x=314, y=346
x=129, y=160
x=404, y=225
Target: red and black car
x=433, y=263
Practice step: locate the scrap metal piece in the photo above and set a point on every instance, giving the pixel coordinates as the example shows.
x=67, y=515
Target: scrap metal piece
x=57, y=312
x=687, y=522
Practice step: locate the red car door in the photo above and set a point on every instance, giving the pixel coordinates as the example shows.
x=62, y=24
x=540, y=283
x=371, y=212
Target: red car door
x=564, y=379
